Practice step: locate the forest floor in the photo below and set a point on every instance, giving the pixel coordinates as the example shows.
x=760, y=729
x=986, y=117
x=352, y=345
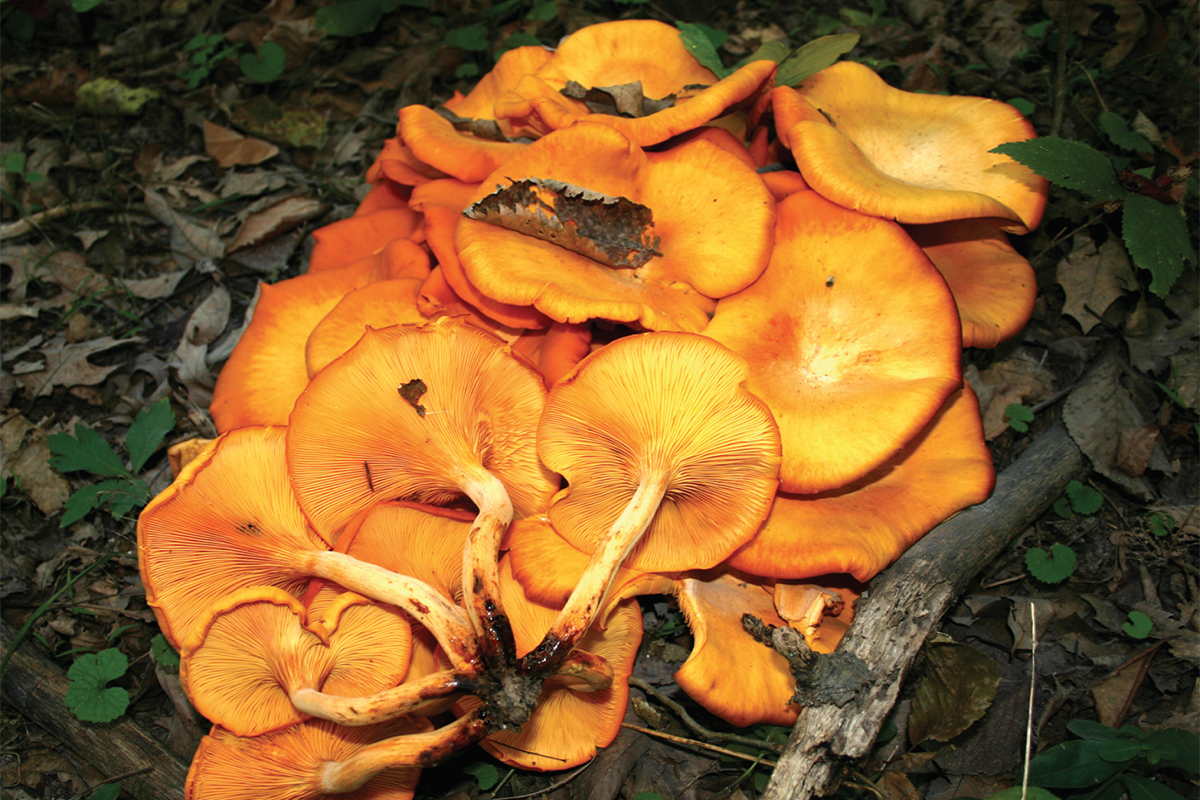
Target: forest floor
x=139, y=218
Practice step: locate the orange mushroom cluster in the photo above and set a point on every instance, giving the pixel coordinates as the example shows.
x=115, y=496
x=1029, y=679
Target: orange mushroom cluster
x=581, y=342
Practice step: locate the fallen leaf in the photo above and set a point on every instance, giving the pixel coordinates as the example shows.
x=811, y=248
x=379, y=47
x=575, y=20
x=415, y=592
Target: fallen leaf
x=1114, y=694
x=190, y=241
x=232, y=149
x=190, y=359
x=27, y=458
x=250, y=184
x=895, y=785
x=1024, y=613
x=1134, y=448
x=1019, y=379
x=1098, y=409
x=65, y=268
x=279, y=218
x=1185, y=376
x=209, y=318
x=89, y=238
x=1093, y=278
x=68, y=365
x=956, y=688
x=10, y=311
x=157, y=287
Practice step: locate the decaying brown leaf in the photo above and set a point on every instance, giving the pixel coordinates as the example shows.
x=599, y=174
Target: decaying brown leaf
x=68, y=365
x=1019, y=379
x=27, y=459
x=278, y=218
x=626, y=100
x=1093, y=278
x=958, y=685
x=190, y=240
x=611, y=230
x=232, y=149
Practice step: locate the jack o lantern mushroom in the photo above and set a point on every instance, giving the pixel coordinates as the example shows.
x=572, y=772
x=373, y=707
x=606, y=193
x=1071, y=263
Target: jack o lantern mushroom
x=377, y=305
x=670, y=463
x=854, y=349
x=914, y=158
x=437, y=411
x=588, y=225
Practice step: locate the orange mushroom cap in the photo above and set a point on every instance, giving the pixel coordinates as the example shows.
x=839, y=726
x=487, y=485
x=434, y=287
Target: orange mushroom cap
x=852, y=339
x=378, y=305
x=712, y=218
x=735, y=677
x=242, y=663
x=557, y=349
x=267, y=371
x=568, y=726
x=383, y=195
x=438, y=299
x=341, y=243
x=396, y=163
x=863, y=527
x=434, y=141
x=910, y=157
x=291, y=764
x=513, y=65
x=993, y=285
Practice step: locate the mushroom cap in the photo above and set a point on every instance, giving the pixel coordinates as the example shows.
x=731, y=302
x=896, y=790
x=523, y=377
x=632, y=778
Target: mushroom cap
x=267, y=371
x=383, y=195
x=994, y=287
x=712, y=216
x=622, y=52
x=513, y=65
x=735, y=677
x=654, y=402
x=243, y=660
x=548, y=568
x=354, y=439
x=863, y=527
x=852, y=339
x=557, y=349
x=433, y=140
x=438, y=299
x=378, y=305
x=341, y=243
x=397, y=164
x=905, y=156
x=229, y=520
x=568, y=726
x=289, y=764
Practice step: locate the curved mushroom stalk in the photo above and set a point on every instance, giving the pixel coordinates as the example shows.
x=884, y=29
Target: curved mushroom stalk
x=385, y=705
x=233, y=510
x=650, y=479
x=439, y=411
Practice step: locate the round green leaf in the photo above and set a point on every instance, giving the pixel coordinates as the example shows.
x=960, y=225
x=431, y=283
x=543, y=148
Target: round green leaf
x=1053, y=567
x=1084, y=499
x=262, y=67
x=1139, y=625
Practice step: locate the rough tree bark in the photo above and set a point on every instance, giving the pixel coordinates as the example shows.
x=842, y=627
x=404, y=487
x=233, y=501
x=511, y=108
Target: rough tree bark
x=904, y=605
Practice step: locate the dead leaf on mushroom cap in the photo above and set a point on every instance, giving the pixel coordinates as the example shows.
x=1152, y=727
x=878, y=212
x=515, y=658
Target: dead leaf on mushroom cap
x=612, y=230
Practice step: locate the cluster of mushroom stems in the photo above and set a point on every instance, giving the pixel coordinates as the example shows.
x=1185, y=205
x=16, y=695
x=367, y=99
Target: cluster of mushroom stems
x=574, y=348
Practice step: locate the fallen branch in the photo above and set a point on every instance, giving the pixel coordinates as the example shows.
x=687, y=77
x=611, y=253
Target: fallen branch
x=30, y=223
x=35, y=686
x=905, y=604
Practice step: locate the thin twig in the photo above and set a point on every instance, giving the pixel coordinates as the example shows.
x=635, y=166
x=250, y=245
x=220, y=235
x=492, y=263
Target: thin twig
x=1060, y=69
x=696, y=727
x=113, y=779
x=551, y=787
x=31, y=222
x=694, y=743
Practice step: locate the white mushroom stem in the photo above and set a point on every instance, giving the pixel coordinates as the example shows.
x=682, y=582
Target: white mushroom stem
x=481, y=571
x=588, y=596
x=382, y=706
x=413, y=749
x=416, y=598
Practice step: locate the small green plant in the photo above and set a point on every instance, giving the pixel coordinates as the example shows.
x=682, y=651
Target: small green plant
x=359, y=17
x=861, y=19
x=486, y=775
x=1108, y=762
x=162, y=652
x=1152, y=223
x=1161, y=525
x=1018, y=417
x=109, y=791
x=89, y=697
x=208, y=50
x=1079, y=499
x=15, y=162
x=1053, y=567
x=87, y=451
x=1139, y=625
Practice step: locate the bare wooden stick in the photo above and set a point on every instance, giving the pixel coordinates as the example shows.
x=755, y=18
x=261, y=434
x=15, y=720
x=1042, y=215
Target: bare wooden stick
x=35, y=686
x=904, y=605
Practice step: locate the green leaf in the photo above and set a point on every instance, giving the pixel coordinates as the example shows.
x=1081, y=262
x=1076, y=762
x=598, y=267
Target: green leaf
x=957, y=687
x=151, y=425
x=1062, y=507
x=351, y=18
x=520, y=39
x=467, y=69
x=1120, y=750
x=127, y=494
x=486, y=775
x=109, y=791
x=1072, y=165
x=813, y=57
x=1186, y=746
x=472, y=38
x=13, y=162
x=1139, y=625
x=1118, y=133
x=1084, y=499
x=88, y=499
x=86, y=450
x=773, y=50
x=162, y=651
x=543, y=11
x=700, y=45
x=87, y=697
x=84, y=5
x=1014, y=793
x=1161, y=525
x=1071, y=765
x=264, y=66
x=20, y=26
x=1157, y=239
x=1022, y=105
x=1018, y=416
x=1054, y=567
x=647, y=796
x=1145, y=789
x=1093, y=731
